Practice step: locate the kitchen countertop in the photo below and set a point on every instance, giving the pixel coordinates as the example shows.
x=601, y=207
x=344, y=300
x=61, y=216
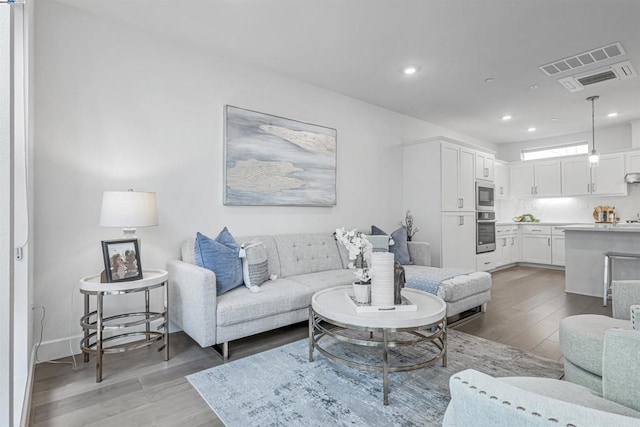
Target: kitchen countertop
x=618, y=228
x=541, y=223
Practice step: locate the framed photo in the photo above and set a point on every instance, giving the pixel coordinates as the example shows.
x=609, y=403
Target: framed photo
x=274, y=161
x=121, y=260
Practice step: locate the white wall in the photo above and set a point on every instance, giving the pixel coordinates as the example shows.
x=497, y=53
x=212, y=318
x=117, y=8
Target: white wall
x=607, y=139
x=117, y=108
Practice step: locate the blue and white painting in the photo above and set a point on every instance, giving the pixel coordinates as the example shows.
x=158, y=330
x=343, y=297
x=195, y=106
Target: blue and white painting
x=271, y=160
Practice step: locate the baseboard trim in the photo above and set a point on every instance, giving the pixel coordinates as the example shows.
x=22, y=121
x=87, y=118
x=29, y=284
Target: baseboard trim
x=25, y=417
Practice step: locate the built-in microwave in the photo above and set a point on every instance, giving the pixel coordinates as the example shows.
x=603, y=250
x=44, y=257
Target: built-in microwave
x=485, y=196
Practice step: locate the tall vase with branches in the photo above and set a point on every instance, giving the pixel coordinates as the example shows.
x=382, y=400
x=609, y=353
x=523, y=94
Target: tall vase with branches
x=408, y=225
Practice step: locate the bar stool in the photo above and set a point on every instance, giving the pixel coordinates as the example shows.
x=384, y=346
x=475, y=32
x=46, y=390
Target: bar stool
x=608, y=270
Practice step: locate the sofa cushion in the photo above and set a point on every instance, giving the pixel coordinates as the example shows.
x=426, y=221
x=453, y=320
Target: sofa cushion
x=325, y=279
x=222, y=257
x=582, y=339
x=273, y=258
x=379, y=242
x=307, y=253
x=275, y=297
x=399, y=249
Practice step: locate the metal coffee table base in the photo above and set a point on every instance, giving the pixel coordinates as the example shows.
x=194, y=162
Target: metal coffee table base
x=435, y=333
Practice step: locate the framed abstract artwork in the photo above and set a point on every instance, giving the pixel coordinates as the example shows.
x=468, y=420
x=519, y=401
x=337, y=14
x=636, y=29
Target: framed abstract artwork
x=271, y=161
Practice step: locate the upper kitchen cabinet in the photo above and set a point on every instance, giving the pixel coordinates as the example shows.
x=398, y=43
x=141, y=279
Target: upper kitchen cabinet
x=458, y=181
x=607, y=178
x=536, y=179
x=502, y=175
x=633, y=162
x=485, y=164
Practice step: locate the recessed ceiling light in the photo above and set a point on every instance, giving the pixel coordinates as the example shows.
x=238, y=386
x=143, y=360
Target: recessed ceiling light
x=410, y=69
x=533, y=87
x=506, y=117
x=489, y=80
x=612, y=114
x=554, y=119
x=531, y=129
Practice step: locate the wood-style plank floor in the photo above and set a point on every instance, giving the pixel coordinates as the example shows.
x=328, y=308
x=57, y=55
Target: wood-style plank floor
x=139, y=388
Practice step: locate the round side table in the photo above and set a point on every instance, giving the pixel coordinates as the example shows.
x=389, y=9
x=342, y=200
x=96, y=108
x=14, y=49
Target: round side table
x=96, y=343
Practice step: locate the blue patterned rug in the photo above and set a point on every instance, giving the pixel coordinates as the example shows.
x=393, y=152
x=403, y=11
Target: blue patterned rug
x=280, y=387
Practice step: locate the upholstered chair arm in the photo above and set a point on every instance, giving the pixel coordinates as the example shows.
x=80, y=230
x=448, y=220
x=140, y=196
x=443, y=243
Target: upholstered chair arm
x=192, y=300
x=620, y=367
x=420, y=253
x=624, y=294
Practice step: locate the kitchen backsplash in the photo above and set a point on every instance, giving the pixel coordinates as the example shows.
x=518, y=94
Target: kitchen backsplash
x=570, y=209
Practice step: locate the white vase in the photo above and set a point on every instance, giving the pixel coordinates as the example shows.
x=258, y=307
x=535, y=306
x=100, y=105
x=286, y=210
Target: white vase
x=382, y=279
x=362, y=292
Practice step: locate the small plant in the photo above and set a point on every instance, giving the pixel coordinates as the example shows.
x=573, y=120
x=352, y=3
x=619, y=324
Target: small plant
x=408, y=225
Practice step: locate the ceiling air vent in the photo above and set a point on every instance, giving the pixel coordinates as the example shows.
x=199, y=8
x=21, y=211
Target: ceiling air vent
x=576, y=62
x=619, y=71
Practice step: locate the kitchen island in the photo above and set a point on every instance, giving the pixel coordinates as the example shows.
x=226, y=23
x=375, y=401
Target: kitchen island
x=585, y=246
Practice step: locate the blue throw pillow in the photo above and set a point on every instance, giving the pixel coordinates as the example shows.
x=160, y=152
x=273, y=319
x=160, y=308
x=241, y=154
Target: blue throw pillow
x=222, y=257
x=400, y=249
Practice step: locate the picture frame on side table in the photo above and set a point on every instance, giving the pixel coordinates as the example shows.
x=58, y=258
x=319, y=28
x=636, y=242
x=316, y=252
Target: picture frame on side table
x=121, y=260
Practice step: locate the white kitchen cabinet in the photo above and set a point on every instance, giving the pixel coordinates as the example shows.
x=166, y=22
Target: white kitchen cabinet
x=485, y=166
x=557, y=250
x=437, y=174
x=536, y=179
x=458, y=240
x=458, y=180
x=506, y=245
x=576, y=176
x=607, y=178
x=501, y=172
x=536, y=244
x=632, y=161
x=487, y=261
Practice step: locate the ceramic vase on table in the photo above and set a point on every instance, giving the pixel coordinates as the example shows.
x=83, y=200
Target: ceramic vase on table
x=362, y=292
x=382, y=279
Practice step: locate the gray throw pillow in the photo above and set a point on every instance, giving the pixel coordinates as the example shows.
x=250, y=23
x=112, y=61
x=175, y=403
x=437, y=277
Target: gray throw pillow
x=400, y=249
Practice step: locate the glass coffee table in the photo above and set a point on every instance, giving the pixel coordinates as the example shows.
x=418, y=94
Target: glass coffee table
x=332, y=316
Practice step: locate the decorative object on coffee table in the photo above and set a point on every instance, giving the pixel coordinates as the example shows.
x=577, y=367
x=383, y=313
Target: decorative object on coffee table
x=382, y=288
x=398, y=282
x=408, y=225
x=360, y=250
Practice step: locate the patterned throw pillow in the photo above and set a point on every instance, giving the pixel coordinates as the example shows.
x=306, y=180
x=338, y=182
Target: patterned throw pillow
x=255, y=266
x=400, y=249
x=220, y=255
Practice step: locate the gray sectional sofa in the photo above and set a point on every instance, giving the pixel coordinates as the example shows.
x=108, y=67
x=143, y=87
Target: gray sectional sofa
x=303, y=264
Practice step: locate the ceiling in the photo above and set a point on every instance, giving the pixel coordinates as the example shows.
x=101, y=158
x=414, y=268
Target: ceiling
x=358, y=48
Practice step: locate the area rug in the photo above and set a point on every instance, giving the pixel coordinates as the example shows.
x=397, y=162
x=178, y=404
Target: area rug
x=280, y=387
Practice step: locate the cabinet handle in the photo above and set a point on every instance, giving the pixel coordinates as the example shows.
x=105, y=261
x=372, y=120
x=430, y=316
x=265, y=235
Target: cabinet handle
x=512, y=241
x=487, y=262
x=504, y=242
x=535, y=229
x=532, y=190
x=593, y=187
x=486, y=172
x=588, y=188
x=461, y=220
x=549, y=241
x=501, y=190
x=536, y=187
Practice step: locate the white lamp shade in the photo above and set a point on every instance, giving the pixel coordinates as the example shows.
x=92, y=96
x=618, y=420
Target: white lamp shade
x=128, y=209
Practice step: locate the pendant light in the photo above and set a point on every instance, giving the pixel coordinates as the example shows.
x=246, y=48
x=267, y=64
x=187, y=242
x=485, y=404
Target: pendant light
x=594, y=157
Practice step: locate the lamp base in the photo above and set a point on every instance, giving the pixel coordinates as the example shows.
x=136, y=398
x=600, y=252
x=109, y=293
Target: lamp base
x=129, y=233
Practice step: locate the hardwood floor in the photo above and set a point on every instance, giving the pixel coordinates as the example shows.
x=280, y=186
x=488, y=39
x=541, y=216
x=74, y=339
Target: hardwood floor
x=139, y=388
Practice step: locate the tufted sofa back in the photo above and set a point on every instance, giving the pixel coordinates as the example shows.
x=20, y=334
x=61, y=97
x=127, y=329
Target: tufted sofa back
x=292, y=254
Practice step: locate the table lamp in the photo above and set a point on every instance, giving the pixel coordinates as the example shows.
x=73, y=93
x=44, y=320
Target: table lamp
x=128, y=209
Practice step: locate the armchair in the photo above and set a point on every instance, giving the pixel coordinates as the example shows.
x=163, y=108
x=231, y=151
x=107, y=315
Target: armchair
x=481, y=400
x=582, y=336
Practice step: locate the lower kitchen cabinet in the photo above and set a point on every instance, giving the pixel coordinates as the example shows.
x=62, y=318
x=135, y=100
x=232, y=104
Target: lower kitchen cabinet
x=487, y=261
x=458, y=240
x=536, y=244
x=557, y=247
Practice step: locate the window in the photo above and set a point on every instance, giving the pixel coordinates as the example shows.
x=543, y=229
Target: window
x=563, y=150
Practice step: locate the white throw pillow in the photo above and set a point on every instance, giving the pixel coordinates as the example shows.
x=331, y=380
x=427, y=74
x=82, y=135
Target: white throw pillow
x=380, y=243
x=255, y=265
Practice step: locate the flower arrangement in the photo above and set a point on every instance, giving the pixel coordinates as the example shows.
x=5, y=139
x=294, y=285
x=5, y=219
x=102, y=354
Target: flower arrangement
x=408, y=225
x=359, y=252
